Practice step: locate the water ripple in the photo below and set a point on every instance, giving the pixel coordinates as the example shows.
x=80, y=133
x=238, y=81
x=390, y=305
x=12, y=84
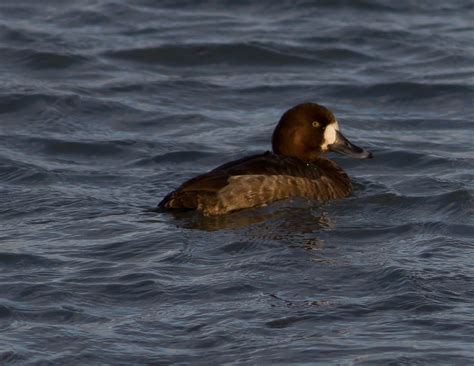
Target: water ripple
x=107, y=106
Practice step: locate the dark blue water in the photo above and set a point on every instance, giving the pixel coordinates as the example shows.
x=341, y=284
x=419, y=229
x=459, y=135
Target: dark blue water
x=105, y=106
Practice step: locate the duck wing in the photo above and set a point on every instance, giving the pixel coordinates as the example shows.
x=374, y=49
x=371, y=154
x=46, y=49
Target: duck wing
x=206, y=186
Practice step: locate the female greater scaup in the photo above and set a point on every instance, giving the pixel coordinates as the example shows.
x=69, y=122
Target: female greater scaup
x=296, y=168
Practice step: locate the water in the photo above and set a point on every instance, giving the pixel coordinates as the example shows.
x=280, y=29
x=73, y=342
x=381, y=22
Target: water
x=105, y=106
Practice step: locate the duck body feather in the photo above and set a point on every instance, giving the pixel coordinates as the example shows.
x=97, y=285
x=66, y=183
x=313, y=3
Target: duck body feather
x=257, y=180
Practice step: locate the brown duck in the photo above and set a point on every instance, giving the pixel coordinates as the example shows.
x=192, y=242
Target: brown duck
x=296, y=168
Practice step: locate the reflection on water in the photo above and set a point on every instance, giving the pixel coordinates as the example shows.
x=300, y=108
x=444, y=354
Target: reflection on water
x=294, y=223
x=290, y=216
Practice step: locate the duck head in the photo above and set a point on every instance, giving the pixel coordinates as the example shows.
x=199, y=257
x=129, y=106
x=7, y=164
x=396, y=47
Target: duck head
x=308, y=130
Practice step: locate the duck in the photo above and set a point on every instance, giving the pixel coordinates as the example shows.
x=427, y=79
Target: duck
x=296, y=167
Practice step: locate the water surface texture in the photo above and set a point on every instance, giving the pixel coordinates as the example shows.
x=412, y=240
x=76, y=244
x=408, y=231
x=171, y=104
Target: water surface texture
x=107, y=105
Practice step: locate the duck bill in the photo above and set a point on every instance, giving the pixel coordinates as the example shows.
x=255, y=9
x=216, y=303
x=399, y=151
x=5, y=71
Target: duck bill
x=344, y=146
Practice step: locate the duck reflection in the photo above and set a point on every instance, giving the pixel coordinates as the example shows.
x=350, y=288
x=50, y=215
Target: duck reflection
x=277, y=221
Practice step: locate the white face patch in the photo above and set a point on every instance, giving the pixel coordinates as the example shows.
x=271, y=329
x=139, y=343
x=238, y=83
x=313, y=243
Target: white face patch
x=329, y=135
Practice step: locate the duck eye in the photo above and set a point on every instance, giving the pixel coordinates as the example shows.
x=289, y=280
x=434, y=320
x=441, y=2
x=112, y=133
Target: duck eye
x=315, y=124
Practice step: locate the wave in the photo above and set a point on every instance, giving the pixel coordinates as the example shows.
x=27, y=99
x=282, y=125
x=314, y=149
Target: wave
x=237, y=54
x=33, y=59
x=201, y=54
x=401, y=91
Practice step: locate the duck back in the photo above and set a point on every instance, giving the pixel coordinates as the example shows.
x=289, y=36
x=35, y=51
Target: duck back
x=257, y=180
